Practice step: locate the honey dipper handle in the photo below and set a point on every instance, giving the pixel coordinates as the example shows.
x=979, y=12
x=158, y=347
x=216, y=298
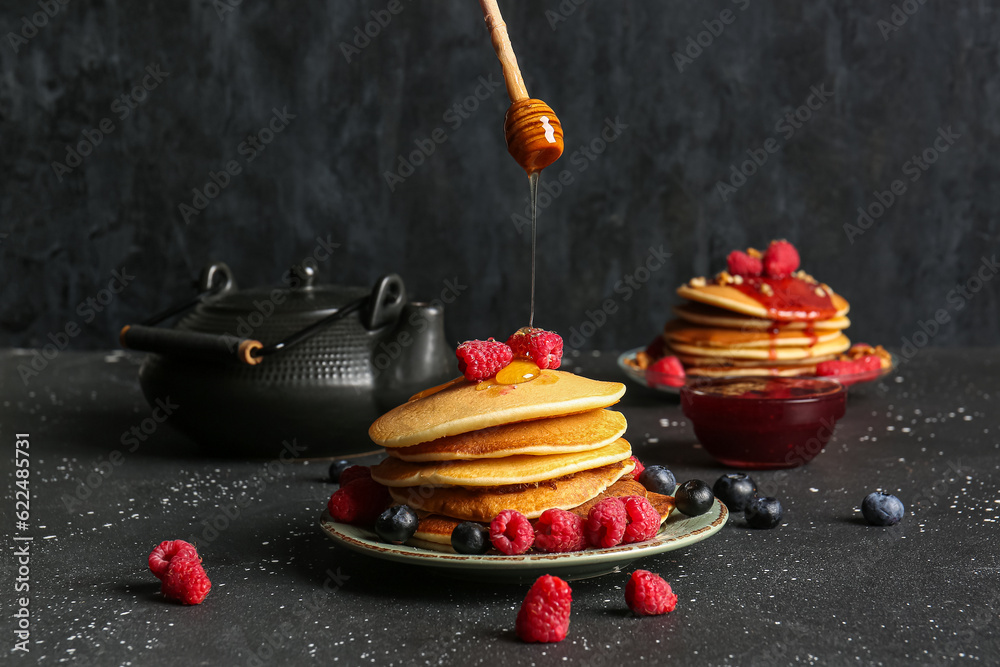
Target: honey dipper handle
x=505, y=52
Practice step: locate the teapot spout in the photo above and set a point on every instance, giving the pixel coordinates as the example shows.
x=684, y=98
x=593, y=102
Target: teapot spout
x=414, y=355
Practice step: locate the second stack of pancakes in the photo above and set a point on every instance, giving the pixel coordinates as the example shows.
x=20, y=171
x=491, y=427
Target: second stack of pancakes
x=468, y=451
x=721, y=330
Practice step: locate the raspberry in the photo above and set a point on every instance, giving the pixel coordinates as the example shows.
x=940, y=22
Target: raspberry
x=185, y=579
x=835, y=367
x=518, y=341
x=643, y=520
x=160, y=557
x=545, y=348
x=558, y=531
x=359, y=502
x=638, y=468
x=353, y=473
x=511, y=532
x=666, y=371
x=781, y=259
x=606, y=523
x=482, y=359
x=871, y=363
x=544, y=614
x=741, y=264
x=648, y=594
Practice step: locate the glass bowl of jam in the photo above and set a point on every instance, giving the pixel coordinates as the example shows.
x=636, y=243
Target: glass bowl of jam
x=764, y=422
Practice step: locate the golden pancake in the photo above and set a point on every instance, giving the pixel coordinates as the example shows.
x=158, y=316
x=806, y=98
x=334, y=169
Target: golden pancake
x=690, y=361
x=699, y=313
x=750, y=371
x=571, y=433
x=677, y=331
x=522, y=469
x=835, y=346
x=482, y=504
x=730, y=298
x=435, y=529
x=463, y=407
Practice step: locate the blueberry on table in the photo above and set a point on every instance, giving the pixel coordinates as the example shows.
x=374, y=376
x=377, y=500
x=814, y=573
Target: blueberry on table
x=694, y=497
x=469, y=537
x=336, y=468
x=763, y=512
x=735, y=489
x=658, y=479
x=882, y=509
x=397, y=524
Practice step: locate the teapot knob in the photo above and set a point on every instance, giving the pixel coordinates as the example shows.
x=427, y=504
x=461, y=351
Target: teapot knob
x=304, y=274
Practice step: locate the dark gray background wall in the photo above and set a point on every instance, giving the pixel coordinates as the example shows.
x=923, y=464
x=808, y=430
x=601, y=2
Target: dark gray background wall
x=223, y=66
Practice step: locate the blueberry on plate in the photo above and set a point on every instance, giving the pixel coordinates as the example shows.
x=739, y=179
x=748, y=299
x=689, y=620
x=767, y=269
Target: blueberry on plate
x=469, y=537
x=397, y=524
x=694, y=497
x=763, y=512
x=735, y=489
x=336, y=468
x=882, y=509
x=658, y=479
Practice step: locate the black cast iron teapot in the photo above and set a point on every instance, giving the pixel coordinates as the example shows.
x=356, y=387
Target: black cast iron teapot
x=302, y=368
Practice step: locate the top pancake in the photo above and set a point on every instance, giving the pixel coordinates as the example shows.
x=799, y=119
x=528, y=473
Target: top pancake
x=709, y=316
x=463, y=407
x=730, y=298
x=557, y=435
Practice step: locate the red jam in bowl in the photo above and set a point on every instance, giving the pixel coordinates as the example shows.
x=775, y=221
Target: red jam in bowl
x=763, y=422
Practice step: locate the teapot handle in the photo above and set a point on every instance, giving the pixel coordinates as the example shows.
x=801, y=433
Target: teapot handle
x=387, y=300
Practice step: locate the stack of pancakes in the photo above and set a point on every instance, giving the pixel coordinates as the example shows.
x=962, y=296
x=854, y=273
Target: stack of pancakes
x=467, y=451
x=721, y=331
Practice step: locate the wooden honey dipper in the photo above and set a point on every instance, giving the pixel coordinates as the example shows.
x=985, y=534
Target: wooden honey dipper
x=533, y=132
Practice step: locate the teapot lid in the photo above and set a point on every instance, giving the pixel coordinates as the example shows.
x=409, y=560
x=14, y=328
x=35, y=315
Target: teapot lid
x=299, y=296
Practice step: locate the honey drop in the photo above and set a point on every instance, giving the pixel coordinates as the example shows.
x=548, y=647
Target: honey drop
x=518, y=371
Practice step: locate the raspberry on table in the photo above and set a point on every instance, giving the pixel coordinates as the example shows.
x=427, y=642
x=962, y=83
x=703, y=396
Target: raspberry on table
x=544, y=614
x=160, y=557
x=511, y=532
x=358, y=502
x=559, y=531
x=648, y=594
x=185, y=580
x=781, y=259
x=643, y=520
x=740, y=263
x=479, y=360
x=354, y=472
x=606, y=522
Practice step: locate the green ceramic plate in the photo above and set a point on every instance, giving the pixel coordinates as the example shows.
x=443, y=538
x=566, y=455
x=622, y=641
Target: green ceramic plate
x=677, y=532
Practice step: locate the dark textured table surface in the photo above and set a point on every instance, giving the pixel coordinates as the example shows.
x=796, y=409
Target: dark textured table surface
x=822, y=588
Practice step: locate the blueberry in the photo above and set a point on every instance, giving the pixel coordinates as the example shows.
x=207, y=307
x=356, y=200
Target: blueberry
x=336, y=468
x=882, y=509
x=658, y=479
x=397, y=524
x=469, y=537
x=763, y=512
x=735, y=489
x=693, y=497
